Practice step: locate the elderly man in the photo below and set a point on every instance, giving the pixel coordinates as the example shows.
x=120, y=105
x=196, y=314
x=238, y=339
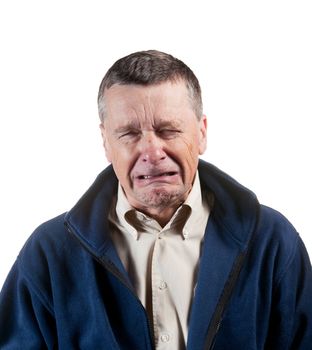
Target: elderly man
x=163, y=251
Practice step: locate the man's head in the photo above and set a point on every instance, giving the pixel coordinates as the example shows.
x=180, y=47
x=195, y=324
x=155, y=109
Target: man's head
x=150, y=68
x=152, y=127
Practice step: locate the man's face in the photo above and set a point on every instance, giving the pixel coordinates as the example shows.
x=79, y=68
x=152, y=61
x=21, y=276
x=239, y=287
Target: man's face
x=153, y=138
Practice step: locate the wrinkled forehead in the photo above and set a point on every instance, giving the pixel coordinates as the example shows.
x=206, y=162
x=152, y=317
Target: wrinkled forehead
x=166, y=97
x=124, y=125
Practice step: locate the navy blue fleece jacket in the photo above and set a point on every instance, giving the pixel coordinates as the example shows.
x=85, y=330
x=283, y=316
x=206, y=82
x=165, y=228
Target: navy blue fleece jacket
x=69, y=290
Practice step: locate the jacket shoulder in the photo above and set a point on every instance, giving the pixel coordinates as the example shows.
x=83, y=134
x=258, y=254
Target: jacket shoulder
x=44, y=254
x=47, y=237
x=271, y=222
x=277, y=241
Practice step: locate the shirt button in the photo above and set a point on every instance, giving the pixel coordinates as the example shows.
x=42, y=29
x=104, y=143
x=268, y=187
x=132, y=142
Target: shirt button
x=165, y=338
x=163, y=285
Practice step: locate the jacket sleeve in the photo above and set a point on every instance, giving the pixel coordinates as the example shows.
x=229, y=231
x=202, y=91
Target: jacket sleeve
x=26, y=318
x=291, y=317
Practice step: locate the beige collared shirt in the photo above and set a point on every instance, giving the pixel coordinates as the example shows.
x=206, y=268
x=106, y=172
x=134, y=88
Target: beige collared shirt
x=162, y=262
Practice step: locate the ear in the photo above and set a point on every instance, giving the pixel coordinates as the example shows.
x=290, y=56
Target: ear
x=202, y=134
x=105, y=143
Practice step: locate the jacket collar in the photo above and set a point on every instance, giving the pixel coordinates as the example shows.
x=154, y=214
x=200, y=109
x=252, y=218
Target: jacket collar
x=88, y=219
x=230, y=227
x=235, y=208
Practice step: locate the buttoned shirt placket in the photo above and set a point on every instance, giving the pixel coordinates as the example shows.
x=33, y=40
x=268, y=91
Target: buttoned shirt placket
x=162, y=262
x=164, y=313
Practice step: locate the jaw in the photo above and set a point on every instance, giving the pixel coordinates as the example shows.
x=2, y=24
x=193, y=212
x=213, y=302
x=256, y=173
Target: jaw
x=158, y=196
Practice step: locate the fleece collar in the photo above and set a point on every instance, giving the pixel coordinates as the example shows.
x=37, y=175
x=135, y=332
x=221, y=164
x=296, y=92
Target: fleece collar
x=235, y=208
x=230, y=228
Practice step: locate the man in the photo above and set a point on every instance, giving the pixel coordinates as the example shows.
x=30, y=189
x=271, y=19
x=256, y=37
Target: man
x=163, y=251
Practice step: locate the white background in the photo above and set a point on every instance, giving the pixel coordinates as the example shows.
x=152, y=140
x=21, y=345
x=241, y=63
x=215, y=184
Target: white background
x=253, y=60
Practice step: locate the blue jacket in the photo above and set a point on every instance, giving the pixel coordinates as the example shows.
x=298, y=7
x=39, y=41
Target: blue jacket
x=69, y=290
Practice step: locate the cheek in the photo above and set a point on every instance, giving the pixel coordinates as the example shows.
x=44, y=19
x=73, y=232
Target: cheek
x=122, y=160
x=186, y=153
x=119, y=152
x=191, y=154
x=120, y=163
x=190, y=148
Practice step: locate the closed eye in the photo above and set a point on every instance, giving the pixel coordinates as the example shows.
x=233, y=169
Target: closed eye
x=168, y=133
x=129, y=134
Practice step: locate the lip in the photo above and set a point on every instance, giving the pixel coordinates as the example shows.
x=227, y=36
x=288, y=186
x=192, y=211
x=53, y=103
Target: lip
x=167, y=177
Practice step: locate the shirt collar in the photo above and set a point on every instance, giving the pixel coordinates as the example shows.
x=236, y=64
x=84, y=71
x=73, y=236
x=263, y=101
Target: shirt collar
x=186, y=216
x=125, y=212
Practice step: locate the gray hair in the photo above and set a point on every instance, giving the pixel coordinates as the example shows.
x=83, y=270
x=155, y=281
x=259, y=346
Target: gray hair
x=150, y=68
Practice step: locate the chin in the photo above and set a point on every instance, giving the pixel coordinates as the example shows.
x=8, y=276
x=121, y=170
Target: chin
x=160, y=198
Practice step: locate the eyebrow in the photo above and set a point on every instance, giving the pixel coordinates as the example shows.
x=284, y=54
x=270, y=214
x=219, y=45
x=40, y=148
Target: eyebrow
x=160, y=124
x=167, y=123
x=126, y=127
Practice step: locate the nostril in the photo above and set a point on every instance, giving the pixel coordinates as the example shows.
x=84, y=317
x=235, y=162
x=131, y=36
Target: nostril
x=153, y=156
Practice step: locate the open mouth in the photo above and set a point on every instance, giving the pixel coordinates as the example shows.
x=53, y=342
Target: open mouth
x=146, y=177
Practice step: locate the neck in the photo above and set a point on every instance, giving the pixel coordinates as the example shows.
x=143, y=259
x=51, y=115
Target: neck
x=161, y=215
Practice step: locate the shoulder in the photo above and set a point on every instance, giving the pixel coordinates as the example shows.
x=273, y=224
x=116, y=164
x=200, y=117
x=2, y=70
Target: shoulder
x=45, y=251
x=277, y=244
x=275, y=227
x=47, y=237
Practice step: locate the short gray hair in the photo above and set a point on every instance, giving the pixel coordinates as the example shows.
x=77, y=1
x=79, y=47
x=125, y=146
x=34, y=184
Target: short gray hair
x=150, y=68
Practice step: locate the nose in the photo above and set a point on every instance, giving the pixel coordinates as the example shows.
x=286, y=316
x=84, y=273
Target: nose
x=151, y=149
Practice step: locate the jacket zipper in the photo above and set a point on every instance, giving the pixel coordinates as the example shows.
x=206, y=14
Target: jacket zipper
x=225, y=297
x=112, y=269
x=216, y=329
